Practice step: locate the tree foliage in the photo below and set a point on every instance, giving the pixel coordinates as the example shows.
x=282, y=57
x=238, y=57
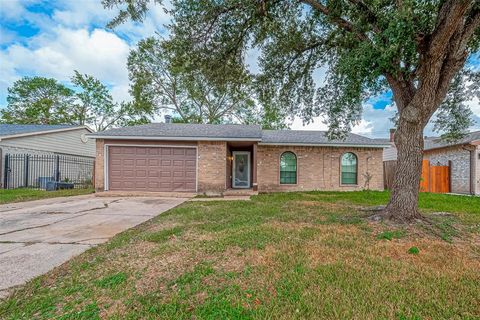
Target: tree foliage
x=167, y=79
x=95, y=105
x=38, y=100
x=369, y=47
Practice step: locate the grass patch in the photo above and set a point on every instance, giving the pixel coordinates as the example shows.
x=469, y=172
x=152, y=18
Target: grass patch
x=112, y=281
x=305, y=255
x=19, y=195
x=413, y=250
x=391, y=234
x=164, y=235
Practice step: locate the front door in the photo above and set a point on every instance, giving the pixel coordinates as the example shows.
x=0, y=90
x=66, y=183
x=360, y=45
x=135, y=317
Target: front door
x=241, y=169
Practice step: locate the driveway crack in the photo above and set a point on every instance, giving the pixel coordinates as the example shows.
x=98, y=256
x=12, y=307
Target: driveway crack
x=76, y=214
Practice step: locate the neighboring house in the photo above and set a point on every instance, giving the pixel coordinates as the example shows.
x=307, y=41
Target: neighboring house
x=44, y=140
x=215, y=158
x=390, y=153
x=463, y=156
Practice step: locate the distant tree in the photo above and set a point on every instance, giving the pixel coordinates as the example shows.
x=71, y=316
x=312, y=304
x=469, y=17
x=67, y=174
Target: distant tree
x=414, y=48
x=41, y=100
x=162, y=83
x=38, y=100
x=95, y=106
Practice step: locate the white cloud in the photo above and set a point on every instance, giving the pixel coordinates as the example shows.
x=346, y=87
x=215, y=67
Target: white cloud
x=120, y=92
x=99, y=53
x=374, y=123
x=11, y=10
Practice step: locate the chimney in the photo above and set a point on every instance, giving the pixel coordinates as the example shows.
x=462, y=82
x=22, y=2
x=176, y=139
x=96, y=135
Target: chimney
x=168, y=118
x=392, y=134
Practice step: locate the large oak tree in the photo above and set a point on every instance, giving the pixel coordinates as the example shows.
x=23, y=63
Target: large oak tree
x=414, y=48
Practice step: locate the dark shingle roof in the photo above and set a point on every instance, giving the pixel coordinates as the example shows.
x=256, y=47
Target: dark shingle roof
x=232, y=132
x=315, y=138
x=14, y=129
x=183, y=130
x=436, y=142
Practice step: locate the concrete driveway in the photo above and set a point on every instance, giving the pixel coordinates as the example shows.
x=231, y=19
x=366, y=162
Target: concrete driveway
x=37, y=236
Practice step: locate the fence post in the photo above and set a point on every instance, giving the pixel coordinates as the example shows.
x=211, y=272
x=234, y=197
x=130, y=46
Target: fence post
x=27, y=157
x=57, y=168
x=6, y=171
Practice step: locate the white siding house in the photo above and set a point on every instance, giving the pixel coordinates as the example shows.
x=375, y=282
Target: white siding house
x=44, y=140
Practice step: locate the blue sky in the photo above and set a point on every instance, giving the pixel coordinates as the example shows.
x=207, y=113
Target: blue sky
x=53, y=38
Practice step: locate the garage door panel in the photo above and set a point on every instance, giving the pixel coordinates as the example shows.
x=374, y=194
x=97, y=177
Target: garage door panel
x=141, y=162
x=153, y=162
x=152, y=168
x=128, y=173
x=166, y=151
x=190, y=152
x=190, y=175
x=190, y=185
x=190, y=163
x=166, y=163
x=141, y=151
x=152, y=173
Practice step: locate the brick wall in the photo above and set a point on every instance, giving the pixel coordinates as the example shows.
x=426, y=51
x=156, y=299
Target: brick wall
x=212, y=166
x=99, y=165
x=460, y=171
x=318, y=168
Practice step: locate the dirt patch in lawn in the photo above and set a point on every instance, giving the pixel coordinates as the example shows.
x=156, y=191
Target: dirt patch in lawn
x=437, y=255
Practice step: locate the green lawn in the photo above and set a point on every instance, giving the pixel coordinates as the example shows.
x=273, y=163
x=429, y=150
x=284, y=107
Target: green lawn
x=18, y=195
x=280, y=256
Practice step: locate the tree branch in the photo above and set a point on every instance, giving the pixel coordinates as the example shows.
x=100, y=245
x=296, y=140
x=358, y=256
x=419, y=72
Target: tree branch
x=340, y=22
x=472, y=25
x=371, y=17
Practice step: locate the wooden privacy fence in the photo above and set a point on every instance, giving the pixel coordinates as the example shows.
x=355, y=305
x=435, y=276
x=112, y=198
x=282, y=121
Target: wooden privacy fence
x=388, y=173
x=434, y=179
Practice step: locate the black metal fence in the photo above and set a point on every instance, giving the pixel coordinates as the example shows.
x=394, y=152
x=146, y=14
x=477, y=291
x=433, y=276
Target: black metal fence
x=35, y=171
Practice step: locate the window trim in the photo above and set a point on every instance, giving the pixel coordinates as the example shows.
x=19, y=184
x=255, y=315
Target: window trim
x=280, y=169
x=356, y=170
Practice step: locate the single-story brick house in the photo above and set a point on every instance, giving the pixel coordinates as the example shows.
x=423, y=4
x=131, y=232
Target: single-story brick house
x=463, y=156
x=204, y=158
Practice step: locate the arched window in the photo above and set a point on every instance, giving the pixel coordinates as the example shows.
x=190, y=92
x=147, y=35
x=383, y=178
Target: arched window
x=288, y=168
x=349, y=168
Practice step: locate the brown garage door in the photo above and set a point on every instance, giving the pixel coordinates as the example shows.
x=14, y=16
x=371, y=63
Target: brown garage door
x=152, y=168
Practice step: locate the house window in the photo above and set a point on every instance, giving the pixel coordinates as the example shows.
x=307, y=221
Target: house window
x=288, y=168
x=349, y=168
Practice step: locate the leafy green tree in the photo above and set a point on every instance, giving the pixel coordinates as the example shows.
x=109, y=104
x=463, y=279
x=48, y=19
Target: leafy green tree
x=41, y=100
x=412, y=47
x=164, y=83
x=95, y=106
x=38, y=100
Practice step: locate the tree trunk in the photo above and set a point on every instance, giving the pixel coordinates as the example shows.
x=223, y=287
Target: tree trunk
x=403, y=205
